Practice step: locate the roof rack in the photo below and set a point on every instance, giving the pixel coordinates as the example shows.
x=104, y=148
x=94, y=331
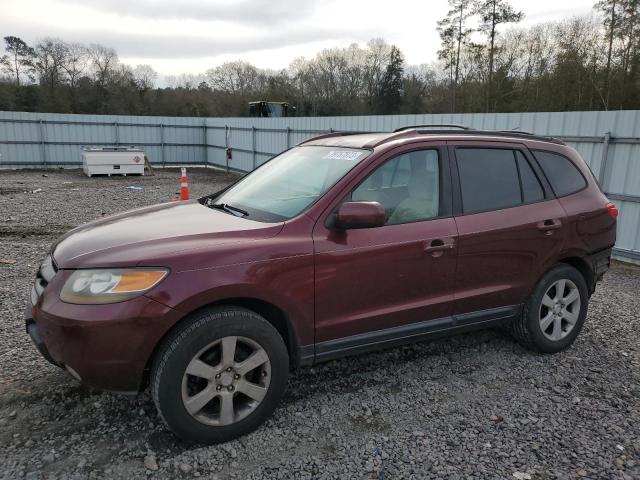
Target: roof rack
x=438, y=129
x=445, y=126
x=516, y=131
x=519, y=134
x=464, y=130
x=329, y=135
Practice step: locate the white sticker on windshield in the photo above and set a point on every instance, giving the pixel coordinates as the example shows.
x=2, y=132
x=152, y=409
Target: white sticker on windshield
x=342, y=155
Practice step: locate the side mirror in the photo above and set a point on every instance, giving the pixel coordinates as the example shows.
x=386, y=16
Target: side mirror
x=360, y=215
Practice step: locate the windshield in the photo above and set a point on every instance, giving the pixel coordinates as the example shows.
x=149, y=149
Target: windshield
x=289, y=183
x=276, y=109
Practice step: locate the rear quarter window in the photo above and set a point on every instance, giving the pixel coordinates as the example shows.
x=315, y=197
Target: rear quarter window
x=563, y=175
x=531, y=188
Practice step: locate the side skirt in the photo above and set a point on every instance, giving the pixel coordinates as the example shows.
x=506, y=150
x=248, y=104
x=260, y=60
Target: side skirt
x=428, y=329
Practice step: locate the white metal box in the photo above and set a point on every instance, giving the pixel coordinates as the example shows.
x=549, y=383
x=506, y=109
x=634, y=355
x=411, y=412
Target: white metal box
x=112, y=161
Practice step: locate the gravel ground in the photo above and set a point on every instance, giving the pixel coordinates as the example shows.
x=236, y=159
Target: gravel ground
x=472, y=406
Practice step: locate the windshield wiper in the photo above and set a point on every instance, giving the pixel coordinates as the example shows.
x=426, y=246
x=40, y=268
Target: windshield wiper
x=229, y=209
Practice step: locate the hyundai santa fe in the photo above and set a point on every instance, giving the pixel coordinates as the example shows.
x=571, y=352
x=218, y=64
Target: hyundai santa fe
x=343, y=244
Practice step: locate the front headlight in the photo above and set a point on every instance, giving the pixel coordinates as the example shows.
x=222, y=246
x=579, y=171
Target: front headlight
x=109, y=285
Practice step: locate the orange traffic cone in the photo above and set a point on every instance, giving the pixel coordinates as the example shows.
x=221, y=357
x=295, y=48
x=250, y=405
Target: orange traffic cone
x=184, y=186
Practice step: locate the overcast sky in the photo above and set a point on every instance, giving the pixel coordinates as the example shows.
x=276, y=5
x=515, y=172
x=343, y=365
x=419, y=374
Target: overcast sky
x=191, y=36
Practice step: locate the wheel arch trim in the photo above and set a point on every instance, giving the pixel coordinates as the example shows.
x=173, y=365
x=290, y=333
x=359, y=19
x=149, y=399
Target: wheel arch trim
x=272, y=313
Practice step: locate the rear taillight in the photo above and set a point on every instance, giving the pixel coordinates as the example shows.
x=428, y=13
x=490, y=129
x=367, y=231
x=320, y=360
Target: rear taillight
x=613, y=210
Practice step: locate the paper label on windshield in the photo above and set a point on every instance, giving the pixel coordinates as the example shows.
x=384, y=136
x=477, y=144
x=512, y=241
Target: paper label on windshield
x=343, y=155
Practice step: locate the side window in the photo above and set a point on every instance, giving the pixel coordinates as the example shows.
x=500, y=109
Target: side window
x=488, y=179
x=563, y=175
x=407, y=186
x=381, y=178
x=402, y=172
x=531, y=188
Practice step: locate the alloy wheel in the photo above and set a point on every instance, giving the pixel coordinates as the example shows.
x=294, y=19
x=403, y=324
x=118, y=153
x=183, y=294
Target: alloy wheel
x=559, y=309
x=226, y=381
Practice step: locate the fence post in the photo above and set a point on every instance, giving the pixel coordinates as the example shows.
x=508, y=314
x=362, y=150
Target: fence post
x=43, y=148
x=253, y=146
x=162, y=143
x=288, y=137
x=605, y=158
x=204, y=143
x=116, y=133
x=226, y=146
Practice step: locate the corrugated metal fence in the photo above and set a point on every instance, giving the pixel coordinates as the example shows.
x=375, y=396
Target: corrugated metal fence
x=608, y=141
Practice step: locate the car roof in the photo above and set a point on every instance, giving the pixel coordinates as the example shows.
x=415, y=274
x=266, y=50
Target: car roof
x=427, y=132
x=348, y=139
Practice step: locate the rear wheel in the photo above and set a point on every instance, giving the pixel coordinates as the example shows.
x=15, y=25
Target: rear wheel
x=219, y=375
x=555, y=313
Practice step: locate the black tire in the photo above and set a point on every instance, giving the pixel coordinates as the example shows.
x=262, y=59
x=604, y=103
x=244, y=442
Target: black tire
x=189, y=338
x=527, y=330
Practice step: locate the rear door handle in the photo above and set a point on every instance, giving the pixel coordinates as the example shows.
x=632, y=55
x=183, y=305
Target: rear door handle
x=439, y=245
x=549, y=225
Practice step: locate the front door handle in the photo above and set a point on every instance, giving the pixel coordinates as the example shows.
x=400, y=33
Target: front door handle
x=549, y=225
x=439, y=245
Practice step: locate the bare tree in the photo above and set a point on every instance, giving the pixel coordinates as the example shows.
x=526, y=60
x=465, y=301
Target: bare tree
x=236, y=76
x=187, y=81
x=49, y=60
x=577, y=65
x=145, y=77
x=377, y=58
x=75, y=62
x=103, y=61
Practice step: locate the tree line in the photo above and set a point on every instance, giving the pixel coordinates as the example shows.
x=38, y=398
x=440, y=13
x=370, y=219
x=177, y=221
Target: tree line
x=486, y=63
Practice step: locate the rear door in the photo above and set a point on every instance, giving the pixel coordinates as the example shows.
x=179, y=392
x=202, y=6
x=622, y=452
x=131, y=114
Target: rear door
x=385, y=279
x=591, y=226
x=510, y=225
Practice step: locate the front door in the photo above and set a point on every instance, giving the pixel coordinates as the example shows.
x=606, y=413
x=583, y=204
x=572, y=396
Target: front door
x=373, y=284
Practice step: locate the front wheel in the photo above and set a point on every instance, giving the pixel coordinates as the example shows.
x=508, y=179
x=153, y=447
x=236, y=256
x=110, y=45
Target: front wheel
x=219, y=375
x=555, y=312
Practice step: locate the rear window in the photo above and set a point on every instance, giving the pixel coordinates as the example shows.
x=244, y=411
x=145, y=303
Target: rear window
x=563, y=175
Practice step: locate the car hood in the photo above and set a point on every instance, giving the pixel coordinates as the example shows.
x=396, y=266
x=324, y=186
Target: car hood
x=147, y=235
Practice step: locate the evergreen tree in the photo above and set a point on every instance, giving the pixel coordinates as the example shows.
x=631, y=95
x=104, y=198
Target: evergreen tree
x=391, y=89
x=611, y=10
x=493, y=13
x=454, y=34
x=19, y=58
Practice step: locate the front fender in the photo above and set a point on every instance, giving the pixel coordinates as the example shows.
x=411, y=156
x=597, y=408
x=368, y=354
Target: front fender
x=286, y=283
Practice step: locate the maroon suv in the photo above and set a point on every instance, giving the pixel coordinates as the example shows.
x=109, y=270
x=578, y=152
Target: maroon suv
x=340, y=245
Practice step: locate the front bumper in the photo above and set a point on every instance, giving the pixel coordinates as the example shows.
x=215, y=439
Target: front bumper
x=104, y=346
x=36, y=337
